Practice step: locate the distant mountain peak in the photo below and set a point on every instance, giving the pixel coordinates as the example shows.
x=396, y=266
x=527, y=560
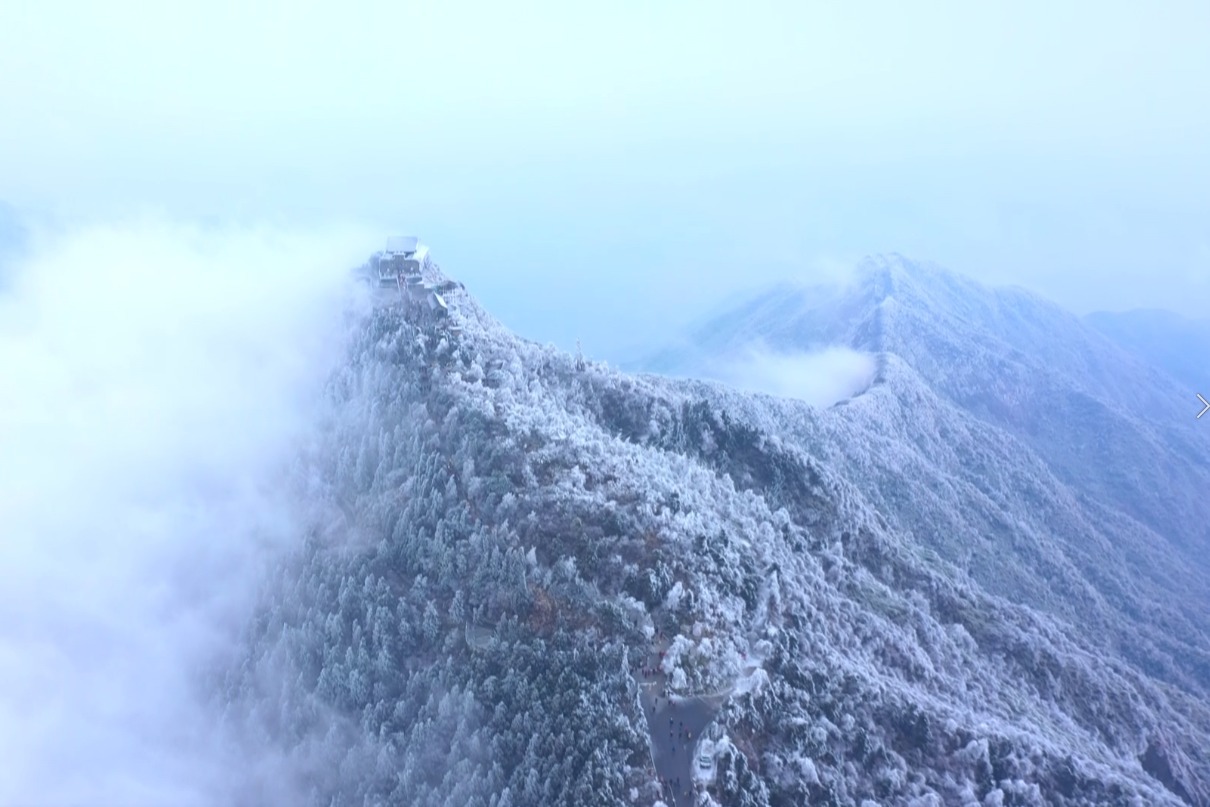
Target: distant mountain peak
x=927, y=285
x=1003, y=354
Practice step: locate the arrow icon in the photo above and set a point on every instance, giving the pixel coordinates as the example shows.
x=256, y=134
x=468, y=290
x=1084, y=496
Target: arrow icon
x=1205, y=406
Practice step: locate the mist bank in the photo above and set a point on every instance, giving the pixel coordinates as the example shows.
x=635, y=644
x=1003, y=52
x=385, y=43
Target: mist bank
x=162, y=385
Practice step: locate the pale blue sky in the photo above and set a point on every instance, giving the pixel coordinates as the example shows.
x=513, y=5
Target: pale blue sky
x=606, y=170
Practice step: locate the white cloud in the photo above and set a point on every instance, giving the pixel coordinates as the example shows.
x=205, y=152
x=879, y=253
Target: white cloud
x=158, y=381
x=820, y=378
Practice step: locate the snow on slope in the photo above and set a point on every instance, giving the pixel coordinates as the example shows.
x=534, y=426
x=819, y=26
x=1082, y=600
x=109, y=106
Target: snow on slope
x=492, y=482
x=1080, y=469
x=1166, y=341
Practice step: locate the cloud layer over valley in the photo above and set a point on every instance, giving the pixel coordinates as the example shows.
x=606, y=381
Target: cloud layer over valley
x=820, y=378
x=159, y=385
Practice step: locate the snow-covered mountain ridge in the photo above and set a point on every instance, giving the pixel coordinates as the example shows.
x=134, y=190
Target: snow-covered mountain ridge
x=1113, y=438
x=919, y=587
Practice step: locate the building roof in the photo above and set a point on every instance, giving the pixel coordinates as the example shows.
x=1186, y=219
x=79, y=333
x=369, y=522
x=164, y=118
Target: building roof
x=402, y=244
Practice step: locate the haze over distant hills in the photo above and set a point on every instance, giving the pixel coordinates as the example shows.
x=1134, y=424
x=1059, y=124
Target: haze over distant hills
x=1177, y=345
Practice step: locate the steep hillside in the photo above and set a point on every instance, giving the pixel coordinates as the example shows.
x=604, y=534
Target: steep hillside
x=1178, y=346
x=984, y=501
x=996, y=388
x=1102, y=420
x=505, y=535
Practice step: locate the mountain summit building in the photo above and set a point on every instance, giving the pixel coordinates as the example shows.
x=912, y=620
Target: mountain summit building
x=403, y=259
x=404, y=273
